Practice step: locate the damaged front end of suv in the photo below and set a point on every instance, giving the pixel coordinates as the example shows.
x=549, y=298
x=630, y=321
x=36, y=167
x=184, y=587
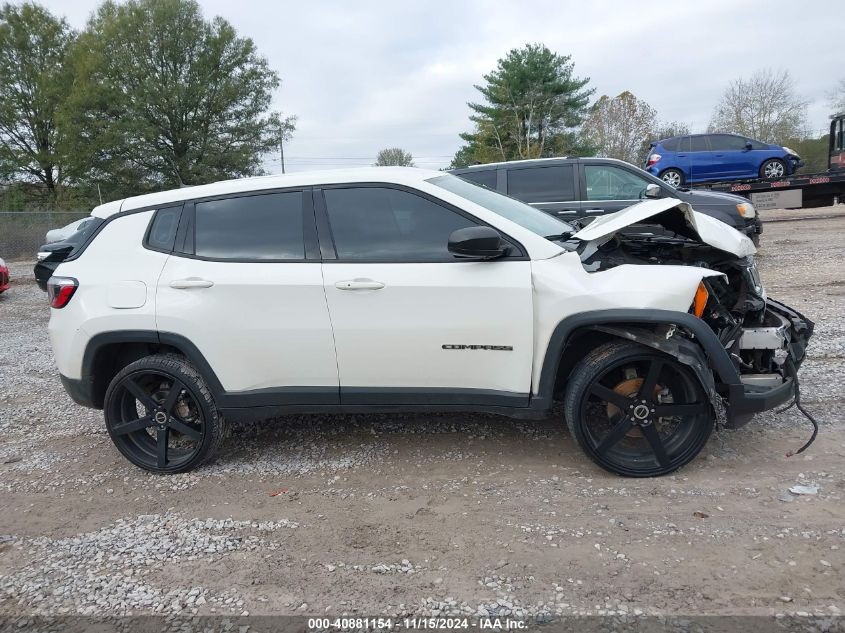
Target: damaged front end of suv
x=765, y=340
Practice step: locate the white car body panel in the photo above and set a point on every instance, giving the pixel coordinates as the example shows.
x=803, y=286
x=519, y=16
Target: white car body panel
x=394, y=336
x=260, y=325
x=563, y=288
x=710, y=230
x=113, y=262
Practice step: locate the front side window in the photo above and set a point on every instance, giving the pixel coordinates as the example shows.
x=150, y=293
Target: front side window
x=726, y=143
x=606, y=182
x=384, y=224
x=542, y=184
x=260, y=227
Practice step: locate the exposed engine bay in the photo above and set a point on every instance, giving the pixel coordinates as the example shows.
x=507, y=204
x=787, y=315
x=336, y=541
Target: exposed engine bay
x=765, y=339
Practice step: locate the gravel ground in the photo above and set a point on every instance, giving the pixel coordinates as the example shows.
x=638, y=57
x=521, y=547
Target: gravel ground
x=426, y=514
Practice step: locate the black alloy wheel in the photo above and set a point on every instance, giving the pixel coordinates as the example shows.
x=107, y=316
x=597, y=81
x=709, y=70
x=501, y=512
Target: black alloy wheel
x=637, y=412
x=160, y=415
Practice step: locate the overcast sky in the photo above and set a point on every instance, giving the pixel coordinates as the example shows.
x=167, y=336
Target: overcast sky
x=365, y=75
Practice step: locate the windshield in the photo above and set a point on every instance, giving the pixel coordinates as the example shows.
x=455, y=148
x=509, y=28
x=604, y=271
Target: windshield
x=526, y=216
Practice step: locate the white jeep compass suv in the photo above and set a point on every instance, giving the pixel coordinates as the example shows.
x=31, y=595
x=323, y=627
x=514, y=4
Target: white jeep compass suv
x=390, y=289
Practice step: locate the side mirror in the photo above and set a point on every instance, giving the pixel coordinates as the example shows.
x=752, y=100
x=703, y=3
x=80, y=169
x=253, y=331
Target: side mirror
x=477, y=242
x=653, y=191
x=748, y=145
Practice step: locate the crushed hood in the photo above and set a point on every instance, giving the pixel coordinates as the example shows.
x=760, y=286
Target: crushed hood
x=673, y=215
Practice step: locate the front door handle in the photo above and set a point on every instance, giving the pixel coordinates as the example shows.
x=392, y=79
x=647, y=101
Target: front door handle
x=191, y=282
x=595, y=211
x=359, y=284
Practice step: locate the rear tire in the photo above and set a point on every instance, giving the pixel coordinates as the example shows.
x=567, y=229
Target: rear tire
x=773, y=169
x=672, y=177
x=613, y=406
x=161, y=416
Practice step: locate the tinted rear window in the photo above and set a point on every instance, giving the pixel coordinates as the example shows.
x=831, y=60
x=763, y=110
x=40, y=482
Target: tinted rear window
x=267, y=226
x=163, y=228
x=699, y=144
x=542, y=184
x=485, y=177
x=672, y=144
x=83, y=236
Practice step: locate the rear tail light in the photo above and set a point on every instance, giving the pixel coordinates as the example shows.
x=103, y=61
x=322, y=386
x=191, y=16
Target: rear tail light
x=60, y=290
x=652, y=158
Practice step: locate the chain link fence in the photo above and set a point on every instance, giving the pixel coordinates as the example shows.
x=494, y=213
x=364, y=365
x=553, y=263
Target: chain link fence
x=22, y=232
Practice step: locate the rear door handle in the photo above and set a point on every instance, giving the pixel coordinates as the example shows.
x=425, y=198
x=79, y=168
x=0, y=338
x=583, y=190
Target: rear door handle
x=595, y=211
x=191, y=282
x=567, y=211
x=359, y=284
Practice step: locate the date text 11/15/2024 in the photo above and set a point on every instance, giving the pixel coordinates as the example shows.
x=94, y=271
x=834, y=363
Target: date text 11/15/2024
x=376, y=623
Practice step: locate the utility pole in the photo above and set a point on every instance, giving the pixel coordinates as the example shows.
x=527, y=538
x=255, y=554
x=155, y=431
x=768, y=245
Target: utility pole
x=282, y=145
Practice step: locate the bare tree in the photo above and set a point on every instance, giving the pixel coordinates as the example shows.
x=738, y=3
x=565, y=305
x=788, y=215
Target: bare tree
x=668, y=129
x=836, y=97
x=618, y=127
x=394, y=157
x=764, y=107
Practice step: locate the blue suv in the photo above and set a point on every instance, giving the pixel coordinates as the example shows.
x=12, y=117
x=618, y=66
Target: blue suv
x=702, y=157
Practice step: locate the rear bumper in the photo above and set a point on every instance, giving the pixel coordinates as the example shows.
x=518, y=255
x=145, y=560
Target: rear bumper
x=80, y=391
x=745, y=400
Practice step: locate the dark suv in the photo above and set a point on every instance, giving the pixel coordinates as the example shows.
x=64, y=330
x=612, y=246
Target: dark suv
x=573, y=188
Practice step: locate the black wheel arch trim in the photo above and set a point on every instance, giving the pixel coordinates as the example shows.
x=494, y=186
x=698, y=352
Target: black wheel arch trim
x=683, y=350
x=716, y=355
x=82, y=391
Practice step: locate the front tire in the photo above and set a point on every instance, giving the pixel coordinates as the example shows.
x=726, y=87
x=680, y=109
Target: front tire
x=773, y=169
x=673, y=177
x=161, y=416
x=637, y=412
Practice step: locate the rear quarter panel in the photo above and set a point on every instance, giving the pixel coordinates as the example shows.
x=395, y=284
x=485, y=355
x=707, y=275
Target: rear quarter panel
x=117, y=280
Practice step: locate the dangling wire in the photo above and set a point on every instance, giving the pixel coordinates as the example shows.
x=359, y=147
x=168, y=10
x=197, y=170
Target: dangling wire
x=790, y=366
